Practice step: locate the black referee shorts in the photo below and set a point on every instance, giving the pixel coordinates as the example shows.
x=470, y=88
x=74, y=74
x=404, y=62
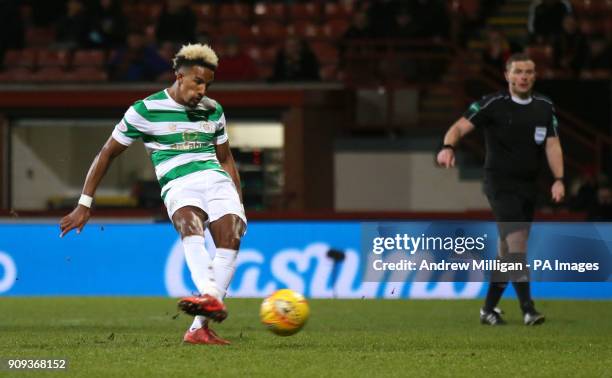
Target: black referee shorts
x=512, y=203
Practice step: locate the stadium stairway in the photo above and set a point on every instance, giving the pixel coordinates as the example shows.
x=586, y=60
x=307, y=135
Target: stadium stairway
x=511, y=19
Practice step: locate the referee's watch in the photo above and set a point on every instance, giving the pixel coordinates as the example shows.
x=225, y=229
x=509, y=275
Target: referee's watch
x=449, y=146
x=559, y=179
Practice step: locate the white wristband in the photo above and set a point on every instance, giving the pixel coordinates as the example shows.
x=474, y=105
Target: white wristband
x=86, y=200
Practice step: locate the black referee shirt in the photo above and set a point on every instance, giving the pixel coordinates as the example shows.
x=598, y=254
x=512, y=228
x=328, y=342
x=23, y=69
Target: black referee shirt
x=515, y=133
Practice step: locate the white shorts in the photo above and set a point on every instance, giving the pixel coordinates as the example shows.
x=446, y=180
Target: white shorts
x=211, y=191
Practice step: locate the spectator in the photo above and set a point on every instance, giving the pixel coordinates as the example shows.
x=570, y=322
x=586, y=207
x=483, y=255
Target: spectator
x=108, y=24
x=359, y=27
x=603, y=210
x=137, y=61
x=11, y=27
x=296, y=62
x=571, y=47
x=546, y=19
x=600, y=55
x=176, y=24
x=405, y=25
x=73, y=28
x=586, y=195
x=497, y=50
x=358, y=30
x=235, y=64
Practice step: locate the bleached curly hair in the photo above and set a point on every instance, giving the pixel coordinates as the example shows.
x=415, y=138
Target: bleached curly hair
x=196, y=55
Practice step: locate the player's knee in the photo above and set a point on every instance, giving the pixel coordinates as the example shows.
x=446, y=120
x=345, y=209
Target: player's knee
x=190, y=229
x=229, y=240
x=188, y=226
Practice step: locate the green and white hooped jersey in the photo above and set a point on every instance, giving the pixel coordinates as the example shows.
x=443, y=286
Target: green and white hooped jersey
x=178, y=139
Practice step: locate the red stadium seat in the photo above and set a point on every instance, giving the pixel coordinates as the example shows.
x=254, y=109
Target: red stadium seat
x=234, y=28
x=39, y=37
x=49, y=74
x=306, y=29
x=326, y=52
x=88, y=58
x=20, y=58
x=269, y=11
x=262, y=54
x=17, y=74
x=542, y=56
x=329, y=72
x=234, y=12
x=264, y=71
x=469, y=8
x=339, y=10
x=86, y=74
x=205, y=12
x=153, y=11
x=53, y=58
x=335, y=29
x=270, y=31
x=305, y=11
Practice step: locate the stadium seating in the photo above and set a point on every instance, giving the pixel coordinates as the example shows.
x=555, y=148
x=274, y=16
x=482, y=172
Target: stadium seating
x=335, y=28
x=16, y=75
x=305, y=11
x=269, y=11
x=88, y=58
x=306, y=29
x=270, y=31
x=205, y=12
x=39, y=37
x=52, y=58
x=20, y=58
x=86, y=74
x=234, y=12
x=339, y=10
x=326, y=53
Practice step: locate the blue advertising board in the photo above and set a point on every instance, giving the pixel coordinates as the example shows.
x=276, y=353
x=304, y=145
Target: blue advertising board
x=147, y=259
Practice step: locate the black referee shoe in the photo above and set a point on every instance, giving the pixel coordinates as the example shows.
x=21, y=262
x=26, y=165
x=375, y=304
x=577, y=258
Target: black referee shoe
x=533, y=318
x=491, y=317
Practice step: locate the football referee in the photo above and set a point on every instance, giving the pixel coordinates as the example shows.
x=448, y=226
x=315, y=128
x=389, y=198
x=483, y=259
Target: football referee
x=520, y=128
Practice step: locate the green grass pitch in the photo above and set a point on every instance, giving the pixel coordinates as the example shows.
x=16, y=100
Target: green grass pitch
x=141, y=337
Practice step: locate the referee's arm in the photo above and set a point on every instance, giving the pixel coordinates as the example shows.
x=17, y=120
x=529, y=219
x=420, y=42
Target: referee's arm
x=446, y=156
x=554, y=155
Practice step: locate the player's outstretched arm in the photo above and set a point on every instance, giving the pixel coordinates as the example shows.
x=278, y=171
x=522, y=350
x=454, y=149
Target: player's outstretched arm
x=225, y=157
x=446, y=155
x=80, y=215
x=554, y=155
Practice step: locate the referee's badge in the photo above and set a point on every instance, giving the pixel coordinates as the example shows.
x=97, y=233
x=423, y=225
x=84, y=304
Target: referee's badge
x=540, y=134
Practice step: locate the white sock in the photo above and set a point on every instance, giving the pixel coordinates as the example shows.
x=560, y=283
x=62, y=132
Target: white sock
x=224, y=265
x=198, y=322
x=200, y=265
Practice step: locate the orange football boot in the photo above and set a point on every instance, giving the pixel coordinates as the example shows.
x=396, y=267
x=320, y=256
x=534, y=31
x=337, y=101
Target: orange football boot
x=205, y=305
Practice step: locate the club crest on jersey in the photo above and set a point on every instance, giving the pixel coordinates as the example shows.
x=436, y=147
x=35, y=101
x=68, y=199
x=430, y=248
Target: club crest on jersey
x=190, y=136
x=207, y=127
x=540, y=134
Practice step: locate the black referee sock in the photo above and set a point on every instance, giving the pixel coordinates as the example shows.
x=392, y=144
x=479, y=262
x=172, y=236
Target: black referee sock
x=520, y=281
x=494, y=294
x=497, y=286
x=523, y=292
